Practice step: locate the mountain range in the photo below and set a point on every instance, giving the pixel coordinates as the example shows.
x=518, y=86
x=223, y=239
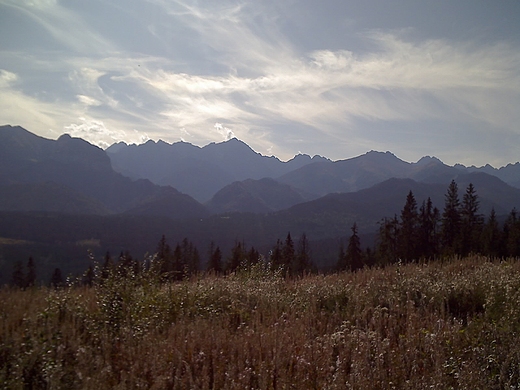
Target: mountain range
x=126, y=197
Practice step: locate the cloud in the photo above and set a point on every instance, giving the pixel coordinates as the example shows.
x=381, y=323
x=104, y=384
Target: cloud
x=229, y=62
x=95, y=132
x=225, y=132
x=7, y=78
x=88, y=101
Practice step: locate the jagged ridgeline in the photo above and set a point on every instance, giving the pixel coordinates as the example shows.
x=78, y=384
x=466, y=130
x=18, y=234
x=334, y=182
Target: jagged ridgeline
x=64, y=202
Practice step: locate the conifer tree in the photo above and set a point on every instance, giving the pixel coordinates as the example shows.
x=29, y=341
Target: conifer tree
x=253, y=256
x=106, y=269
x=57, y=279
x=164, y=257
x=512, y=234
x=492, y=237
x=471, y=222
x=276, y=256
x=177, y=263
x=237, y=255
x=451, y=221
x=190, y=258
x=30, y=278
x=215, y=259
x=407, y=238
x=354, y=254
x=428, y=235
x=88, y=277
x=388, y=240
x=288, y=253
x=303, y=256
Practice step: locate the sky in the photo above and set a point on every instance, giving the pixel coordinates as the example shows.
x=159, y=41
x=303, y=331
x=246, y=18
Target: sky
x=336, y=78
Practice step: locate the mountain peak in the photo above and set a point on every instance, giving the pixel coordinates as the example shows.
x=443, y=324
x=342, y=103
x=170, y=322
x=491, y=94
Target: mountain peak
x=428, y=160
x=375, y=153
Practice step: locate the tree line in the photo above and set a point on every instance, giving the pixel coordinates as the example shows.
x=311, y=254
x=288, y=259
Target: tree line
x=426, y=233
x=416, y=233
x=181, y=262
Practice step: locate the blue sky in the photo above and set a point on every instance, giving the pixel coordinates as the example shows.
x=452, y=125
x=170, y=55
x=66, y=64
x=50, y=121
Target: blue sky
x=336, y=77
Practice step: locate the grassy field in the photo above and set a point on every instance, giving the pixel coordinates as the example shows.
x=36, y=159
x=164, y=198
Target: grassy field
x=444, y=325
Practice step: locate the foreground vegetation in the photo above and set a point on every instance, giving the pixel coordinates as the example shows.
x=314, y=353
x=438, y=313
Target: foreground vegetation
x=443, y=325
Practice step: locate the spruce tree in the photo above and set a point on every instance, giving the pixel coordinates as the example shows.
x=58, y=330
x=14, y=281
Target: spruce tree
x=177, y=263
x=288, y=254
x=164, y=257
x=215, y=260
x=237, y=255
x=451, y=221
x=354, y=254
x=387, y=241
x=30, y=278
x=57, y=279
x=512, y=234
x=303, y=256
x=276, y=256
x=471, y=222
x=427, y=234
x=407, y=239
x=253, y=256
x=492, y=237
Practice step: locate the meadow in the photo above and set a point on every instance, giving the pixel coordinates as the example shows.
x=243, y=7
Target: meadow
x=450, y=324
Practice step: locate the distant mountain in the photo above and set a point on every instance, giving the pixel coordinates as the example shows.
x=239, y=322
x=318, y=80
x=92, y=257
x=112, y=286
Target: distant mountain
x=255, y=196
x=40, y=174
x=365, y=171
x=203, y=171
x=332, y=213
x=510, y=174
x=199, y=172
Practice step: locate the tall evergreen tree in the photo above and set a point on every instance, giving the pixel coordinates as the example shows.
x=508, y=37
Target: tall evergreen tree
x=178, y=265
x=88, y=277
x=253, y=256
x=427, y=232
x=164, y=257
x=190, y=258
x=492, y=237
x=471, y=222
x=57, y=279
x=288, y=253
x=215, y=260
x=30, y=278
x=107, y=267
x=407, y=238
x=512, y=234
x=387, y=241
x=451, y=221
x=276, y=255
x=354, y=254
x=237, y=256
x=303, y=256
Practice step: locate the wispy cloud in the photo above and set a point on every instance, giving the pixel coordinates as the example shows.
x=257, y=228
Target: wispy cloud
x=230, y=63
x=98, y=134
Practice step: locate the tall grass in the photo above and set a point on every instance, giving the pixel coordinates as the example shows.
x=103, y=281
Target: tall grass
x=437, y=326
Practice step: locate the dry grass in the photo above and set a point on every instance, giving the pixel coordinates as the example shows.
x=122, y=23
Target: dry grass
x=436, y=326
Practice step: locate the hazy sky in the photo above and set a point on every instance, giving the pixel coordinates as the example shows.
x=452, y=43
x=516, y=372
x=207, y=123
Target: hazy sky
x=332, y=77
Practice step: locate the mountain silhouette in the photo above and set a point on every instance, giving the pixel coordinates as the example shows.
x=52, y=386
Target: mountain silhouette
x=77, y=172
x=199, y=172
x=255, y=196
